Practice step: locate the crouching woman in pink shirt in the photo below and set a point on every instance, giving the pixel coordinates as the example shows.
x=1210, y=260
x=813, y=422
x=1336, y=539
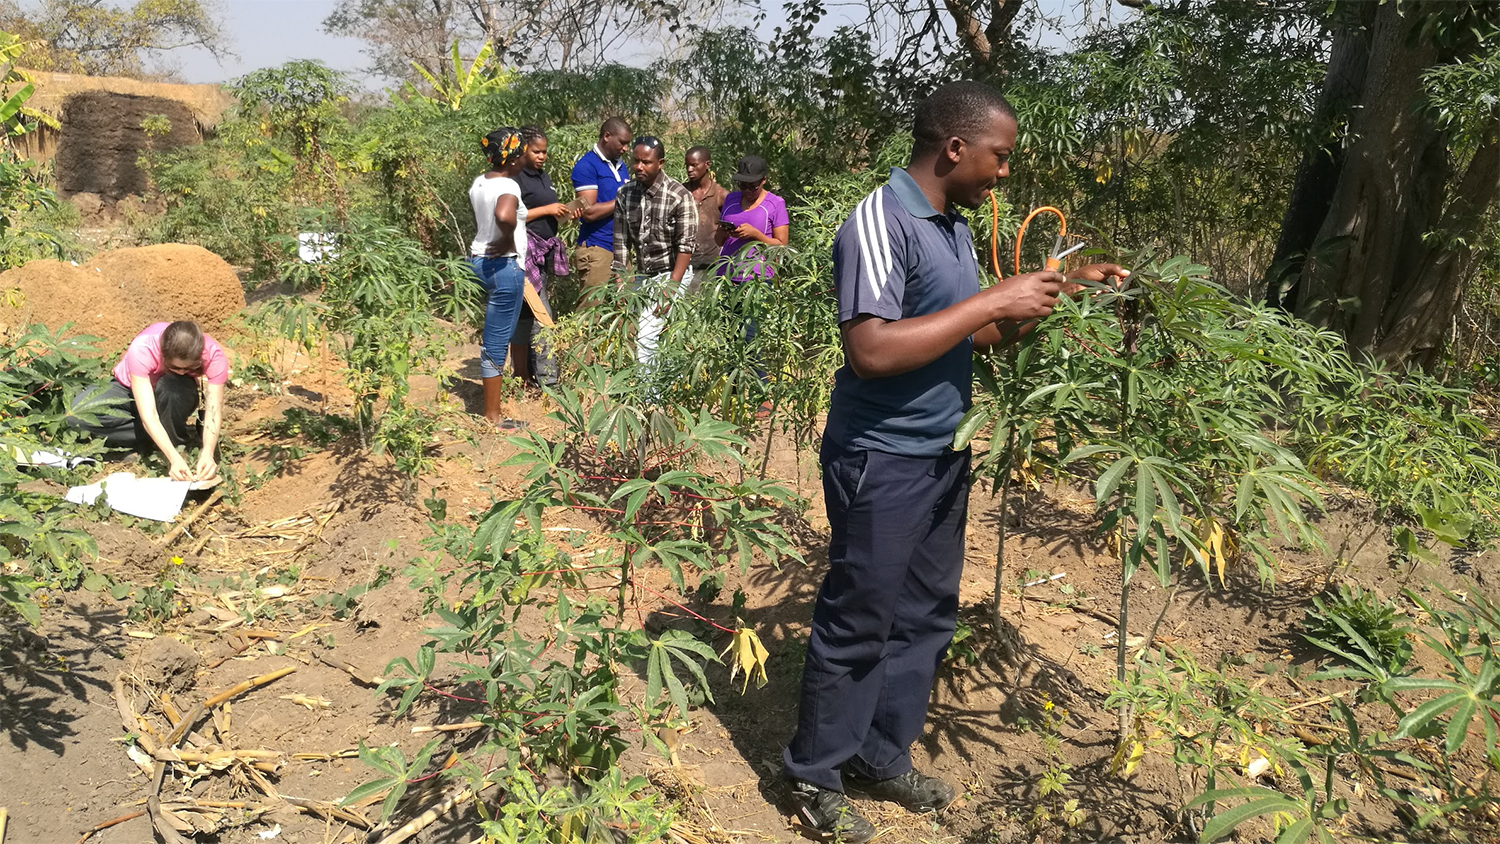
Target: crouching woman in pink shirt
x=153, y=394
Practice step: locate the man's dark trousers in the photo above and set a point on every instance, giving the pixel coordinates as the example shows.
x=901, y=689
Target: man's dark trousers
x=885, y=614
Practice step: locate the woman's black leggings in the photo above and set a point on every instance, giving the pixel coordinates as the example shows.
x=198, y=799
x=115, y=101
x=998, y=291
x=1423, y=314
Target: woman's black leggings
x=108, y=411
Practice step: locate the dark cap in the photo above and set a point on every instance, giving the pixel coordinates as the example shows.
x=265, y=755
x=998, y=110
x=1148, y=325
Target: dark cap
x=751, y=168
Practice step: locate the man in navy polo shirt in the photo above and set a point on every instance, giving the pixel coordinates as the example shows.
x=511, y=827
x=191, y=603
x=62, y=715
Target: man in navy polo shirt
x=911, y=313
x=597, y=177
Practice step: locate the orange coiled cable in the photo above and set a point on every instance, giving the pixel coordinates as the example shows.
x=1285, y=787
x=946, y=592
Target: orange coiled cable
x=1062, y=232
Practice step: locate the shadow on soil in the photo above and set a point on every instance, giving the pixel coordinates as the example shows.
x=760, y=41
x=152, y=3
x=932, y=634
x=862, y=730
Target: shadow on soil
x=45, y=678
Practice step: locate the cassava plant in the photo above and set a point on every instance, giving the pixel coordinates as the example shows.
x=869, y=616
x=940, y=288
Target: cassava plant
x=757, y=354
x=1456, y=715
x=1218, y=730
x=1408, y=440
x=1423, y=733
x=41, y=373
x=1155, y=394
x=549, y=705
x=640, y=471
x=378, y=297
x=643, y=471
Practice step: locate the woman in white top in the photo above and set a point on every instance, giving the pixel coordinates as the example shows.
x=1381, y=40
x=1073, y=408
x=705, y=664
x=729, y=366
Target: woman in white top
x=496, y=258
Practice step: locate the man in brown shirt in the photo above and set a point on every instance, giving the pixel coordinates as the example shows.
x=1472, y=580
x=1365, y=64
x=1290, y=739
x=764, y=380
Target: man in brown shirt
x=708, y=195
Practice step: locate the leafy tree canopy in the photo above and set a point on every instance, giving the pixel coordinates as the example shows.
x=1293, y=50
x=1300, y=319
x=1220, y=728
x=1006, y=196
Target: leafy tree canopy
x=100, y=38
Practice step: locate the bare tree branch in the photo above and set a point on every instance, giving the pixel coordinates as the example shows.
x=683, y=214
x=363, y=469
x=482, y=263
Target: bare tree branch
x=970, y=32
x=94, y=37
x=554, y=34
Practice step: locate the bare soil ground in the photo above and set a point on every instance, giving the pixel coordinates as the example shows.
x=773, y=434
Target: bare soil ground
x=338, y=518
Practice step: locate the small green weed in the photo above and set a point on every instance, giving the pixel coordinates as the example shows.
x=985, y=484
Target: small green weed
x=152, y=605
x=1354, y=620
x=344, y=603
x=963, y=651
x=1054, y=810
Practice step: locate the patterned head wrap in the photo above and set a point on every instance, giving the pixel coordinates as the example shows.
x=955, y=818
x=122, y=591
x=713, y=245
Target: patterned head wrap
x=502, y=146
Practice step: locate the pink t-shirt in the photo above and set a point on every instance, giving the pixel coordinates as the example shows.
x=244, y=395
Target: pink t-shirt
x=144, y=358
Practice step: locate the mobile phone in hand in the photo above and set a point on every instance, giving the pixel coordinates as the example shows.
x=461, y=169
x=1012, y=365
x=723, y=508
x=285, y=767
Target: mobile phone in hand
x=727, y=226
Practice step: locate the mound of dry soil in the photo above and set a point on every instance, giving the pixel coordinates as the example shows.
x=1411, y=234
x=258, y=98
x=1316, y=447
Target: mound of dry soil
x=122, y=291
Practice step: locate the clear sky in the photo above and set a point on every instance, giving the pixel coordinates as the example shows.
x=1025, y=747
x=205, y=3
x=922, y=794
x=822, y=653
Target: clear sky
x=266, y=33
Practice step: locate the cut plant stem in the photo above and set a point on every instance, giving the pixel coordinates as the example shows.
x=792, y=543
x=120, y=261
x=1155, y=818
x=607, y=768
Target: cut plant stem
x=1166, y=605
x=1122, y=633
x=228, y=694
x=447, y=728
x=109, y=823
x=183, y=525
x=1010, y=448
x=1000, y=553
x=765, y=459
x=428, y=817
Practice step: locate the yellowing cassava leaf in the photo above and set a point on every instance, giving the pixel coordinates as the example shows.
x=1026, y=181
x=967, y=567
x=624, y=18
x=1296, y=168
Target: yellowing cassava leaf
x=749, y=656
x=1218, y=544
x=1127, y=757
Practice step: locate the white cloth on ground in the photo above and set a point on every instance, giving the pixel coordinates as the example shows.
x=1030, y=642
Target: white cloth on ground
x=157, y=499
x=51, y=459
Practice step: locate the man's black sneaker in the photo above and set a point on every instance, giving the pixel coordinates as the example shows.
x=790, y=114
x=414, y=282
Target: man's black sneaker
x=917, y=792
x=828, y=812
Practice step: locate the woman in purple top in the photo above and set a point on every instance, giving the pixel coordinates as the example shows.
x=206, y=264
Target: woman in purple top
x=752, y=216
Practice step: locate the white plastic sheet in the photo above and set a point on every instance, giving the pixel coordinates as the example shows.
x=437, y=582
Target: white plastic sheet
x=315, y=247
x=52, y=459
x=158, y=499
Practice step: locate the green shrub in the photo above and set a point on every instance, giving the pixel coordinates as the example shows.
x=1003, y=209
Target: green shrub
x=40, y=374
x=1353, y=620
x=377, y=306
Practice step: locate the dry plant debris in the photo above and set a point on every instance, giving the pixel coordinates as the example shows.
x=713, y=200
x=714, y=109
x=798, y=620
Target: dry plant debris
x=166, y=741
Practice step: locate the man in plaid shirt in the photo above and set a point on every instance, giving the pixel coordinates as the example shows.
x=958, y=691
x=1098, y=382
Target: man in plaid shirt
x=656, y=224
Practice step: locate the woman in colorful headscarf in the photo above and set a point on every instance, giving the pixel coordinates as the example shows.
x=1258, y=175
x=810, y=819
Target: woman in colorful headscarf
x=496, y=256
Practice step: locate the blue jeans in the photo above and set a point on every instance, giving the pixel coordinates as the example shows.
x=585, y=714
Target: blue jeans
x=501, y=279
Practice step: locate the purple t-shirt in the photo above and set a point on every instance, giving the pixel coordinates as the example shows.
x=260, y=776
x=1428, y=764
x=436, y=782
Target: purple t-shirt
x=769, y=213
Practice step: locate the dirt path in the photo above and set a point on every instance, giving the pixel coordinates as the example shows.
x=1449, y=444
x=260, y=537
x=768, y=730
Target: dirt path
x=295, y=552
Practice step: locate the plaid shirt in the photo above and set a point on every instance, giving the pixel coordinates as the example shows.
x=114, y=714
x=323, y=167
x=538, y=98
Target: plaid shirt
x=655, y=224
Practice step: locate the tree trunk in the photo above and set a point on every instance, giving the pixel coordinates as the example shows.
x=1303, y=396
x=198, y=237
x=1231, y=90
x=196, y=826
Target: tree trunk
x=1387, y=191
x=1379, y=235
x=1419, y=318
x=1312, y=193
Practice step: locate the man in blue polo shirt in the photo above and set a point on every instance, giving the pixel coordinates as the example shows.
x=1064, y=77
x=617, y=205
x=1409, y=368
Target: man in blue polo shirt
x=597, y=177
x=911, y=313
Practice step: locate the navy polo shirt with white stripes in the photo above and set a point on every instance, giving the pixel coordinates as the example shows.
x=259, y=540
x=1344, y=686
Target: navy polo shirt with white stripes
x=897, y=257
